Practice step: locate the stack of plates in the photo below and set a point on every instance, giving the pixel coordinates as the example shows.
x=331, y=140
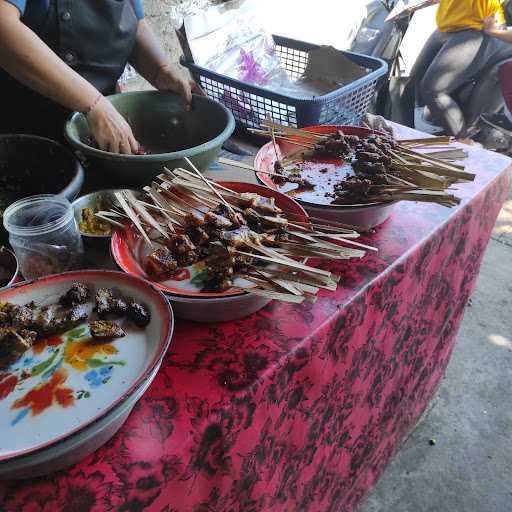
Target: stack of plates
x=67, y=396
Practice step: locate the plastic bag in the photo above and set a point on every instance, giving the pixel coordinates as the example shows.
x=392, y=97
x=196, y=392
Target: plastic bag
x=231, y=40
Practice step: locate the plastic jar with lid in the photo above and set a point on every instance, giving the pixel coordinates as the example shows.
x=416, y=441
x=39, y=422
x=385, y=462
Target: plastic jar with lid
x=44, y=235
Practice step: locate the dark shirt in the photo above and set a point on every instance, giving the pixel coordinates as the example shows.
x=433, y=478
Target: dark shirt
x=33, y=11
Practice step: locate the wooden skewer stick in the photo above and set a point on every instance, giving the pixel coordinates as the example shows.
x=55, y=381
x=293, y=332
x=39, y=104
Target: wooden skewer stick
x=283, y=297
x=287, y=263
x=294, y=131
x=190, y=175
x=166, y=213
x=133, y=217
x=212, y=188
x=276, y=151
x=449, y=154
x=429, y=140
x=295, y=142
x=448, y=169
x=347, y=241
x=141, y=210
x=301, y=278
x=109, y=220
x=241, y=165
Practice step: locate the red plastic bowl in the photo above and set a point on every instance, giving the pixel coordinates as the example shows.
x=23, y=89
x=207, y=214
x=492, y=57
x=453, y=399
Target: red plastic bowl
x=126, y=260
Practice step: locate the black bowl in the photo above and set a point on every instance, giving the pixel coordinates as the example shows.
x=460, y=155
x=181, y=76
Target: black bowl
x=31, y=165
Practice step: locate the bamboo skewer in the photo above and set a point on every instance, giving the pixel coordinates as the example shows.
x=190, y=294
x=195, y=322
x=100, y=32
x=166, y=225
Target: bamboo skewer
x=429, y=140
x=418, y=176
x=196, y=170
x=292, y=131
x=133, y=217
x=102, y=216
x=241, y=165
x=289, y=278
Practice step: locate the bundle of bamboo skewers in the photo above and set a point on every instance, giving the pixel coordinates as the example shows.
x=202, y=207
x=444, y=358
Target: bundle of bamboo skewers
x=180, y=200
x=409, y=175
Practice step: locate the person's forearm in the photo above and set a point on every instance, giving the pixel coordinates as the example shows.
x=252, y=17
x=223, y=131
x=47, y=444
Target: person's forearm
x=503, y=35
x=30, y=61
x=148, y=57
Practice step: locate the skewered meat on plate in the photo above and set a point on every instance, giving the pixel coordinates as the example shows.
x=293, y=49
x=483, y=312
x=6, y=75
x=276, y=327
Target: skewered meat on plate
x=161, y=264
x=77, y=294
x=182, y=249
x=109, y=304
x=218, y=221
x=263, y=205
x=210, y=237
x=139, y=314
x=21, y=326
x=54, y=319
x=303, y=183
x=105, y=330
x=13, y=344
x=12, y=315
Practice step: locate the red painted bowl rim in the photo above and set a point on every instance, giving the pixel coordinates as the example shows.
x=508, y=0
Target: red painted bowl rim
x=120, y=252
x=265, y=180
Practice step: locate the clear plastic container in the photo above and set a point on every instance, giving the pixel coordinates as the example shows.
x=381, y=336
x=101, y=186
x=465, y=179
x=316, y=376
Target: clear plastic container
x=44, y=235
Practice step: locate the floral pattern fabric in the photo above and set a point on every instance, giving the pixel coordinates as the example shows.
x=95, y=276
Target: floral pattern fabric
x=298, y=407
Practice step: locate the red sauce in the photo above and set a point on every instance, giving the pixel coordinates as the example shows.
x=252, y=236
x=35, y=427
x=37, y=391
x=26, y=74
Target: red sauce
x=50, y=342
x=181, y=275
x=43, y=396
x=7, y=384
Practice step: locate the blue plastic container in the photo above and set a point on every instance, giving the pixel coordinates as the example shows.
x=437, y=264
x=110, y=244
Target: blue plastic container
x=251, y=104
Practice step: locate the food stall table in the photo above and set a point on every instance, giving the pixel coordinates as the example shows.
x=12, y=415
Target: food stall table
x=297, y=407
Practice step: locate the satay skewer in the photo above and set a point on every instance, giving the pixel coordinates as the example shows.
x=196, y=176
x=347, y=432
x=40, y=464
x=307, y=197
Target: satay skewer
x=133, y=217
x=207, y=182
x=269, y=124
x=111, y=221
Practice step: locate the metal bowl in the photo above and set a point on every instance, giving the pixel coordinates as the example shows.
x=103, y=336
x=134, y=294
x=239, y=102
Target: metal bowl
x=163, y=125
x=100, y=200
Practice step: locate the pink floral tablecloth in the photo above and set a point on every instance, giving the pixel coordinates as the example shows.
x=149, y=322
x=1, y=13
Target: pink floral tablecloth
x=296, y=408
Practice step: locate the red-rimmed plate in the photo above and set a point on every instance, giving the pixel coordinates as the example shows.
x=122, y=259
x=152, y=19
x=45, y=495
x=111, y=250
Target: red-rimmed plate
x=65, y=384
x=129, y=251
x=323, y=173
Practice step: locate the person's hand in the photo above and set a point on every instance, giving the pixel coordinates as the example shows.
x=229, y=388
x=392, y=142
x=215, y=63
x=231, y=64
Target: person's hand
x=170, y=78
x=110, y=129
x=490, y=24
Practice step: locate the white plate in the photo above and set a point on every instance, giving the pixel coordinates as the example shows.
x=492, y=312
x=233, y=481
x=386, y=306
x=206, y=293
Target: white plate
x=60, y=387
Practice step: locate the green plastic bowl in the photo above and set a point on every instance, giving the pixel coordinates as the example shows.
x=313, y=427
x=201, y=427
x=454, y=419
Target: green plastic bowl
x=161, y=123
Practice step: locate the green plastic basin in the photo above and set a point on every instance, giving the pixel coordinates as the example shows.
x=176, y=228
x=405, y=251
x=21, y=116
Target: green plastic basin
x=161, y=123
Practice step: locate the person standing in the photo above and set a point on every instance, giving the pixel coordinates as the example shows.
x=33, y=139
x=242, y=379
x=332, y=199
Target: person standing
x=58, y=56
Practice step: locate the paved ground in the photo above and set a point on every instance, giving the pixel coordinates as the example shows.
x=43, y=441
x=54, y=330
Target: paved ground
x=470, y=467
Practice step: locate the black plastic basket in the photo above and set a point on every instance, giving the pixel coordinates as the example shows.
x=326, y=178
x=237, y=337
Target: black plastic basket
x=252, y=104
